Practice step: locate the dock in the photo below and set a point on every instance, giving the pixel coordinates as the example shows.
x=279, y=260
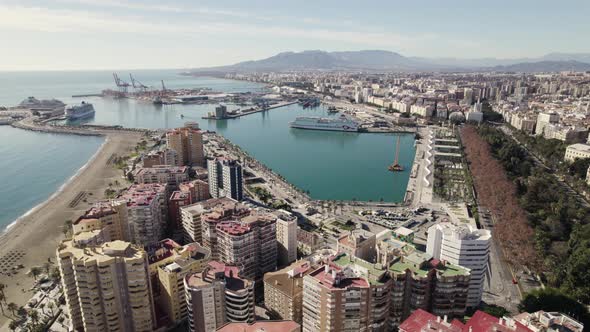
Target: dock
x=88, y=95
x=256, y=110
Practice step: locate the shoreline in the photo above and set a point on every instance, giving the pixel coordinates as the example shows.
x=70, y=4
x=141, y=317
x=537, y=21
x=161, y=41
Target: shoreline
x=56, y=193
x=38, y=232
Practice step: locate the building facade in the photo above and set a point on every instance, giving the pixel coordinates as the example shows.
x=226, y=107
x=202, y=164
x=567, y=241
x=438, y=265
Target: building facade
x=188, y=143
x=286, y=238
x=225, y=178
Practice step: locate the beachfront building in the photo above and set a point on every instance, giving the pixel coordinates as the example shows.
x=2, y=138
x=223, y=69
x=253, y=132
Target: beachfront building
x=218, y=295
x=197, y=189
x=189, y=259
x=188, y=143
x=333, y=301
x=283, y=291
x=164, y=156
x=171, y=175
x=225, y=178
x=249, y=243
x=106, y=284
x=111, y=216
x=286, y=238
x=147, y=212
x=463, y=245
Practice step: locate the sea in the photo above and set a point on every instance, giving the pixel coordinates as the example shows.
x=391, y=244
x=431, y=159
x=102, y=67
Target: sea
x=330, y=165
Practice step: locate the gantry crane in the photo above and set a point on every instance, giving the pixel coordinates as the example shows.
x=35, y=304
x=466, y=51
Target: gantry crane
x=122, y=85
x=137, y=84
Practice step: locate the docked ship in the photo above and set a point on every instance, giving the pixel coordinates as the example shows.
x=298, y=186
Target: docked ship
x=341, y=123
x=82, y=110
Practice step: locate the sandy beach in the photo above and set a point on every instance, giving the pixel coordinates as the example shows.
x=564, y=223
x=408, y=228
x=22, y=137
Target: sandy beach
x=34, y=238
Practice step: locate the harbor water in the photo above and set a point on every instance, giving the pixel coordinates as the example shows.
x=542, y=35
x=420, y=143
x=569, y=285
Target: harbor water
x=330, y=165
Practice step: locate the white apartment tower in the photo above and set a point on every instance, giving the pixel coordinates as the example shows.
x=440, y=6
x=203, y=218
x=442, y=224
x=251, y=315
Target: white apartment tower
x=286, y=238
x=466, y=246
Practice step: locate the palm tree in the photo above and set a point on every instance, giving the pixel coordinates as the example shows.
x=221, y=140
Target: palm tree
x=35, y=272
x=34, y=317
x=13, y=325
x=12, y=307
x=2, y=287
x=47, y=267
x=2, y=298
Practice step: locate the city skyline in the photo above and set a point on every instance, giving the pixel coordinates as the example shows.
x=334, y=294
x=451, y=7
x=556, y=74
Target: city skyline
x=91, y=34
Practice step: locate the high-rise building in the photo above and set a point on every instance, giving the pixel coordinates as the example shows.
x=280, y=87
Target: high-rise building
x=249, y=243
x=106, y=284
x=147, y=212
x=262, y=326
x=423, y=282
x=218, y=295
x=177, y=200
x=111, y=216
x=191, y=258
x=225, y=178
x=223, y=208
x=283, y=291
x=164, y=156
x=333, y=301
x=286, y=238
x=171, y=175
x=188, y=143
x=466, y=246
x=227, y=210
x=545, y=119
x=197, y=189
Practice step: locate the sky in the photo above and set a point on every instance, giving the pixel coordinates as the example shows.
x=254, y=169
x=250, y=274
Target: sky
x=133, y=34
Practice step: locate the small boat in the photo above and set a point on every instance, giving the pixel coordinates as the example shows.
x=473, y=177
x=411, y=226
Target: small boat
x=182, y=116
x=396, y=167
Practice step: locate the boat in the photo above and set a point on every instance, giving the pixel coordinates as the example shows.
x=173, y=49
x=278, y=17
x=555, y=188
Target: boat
x=157, y=100
x=341, y=123
x=82, y=110
x=396, y=167
x=332, y=109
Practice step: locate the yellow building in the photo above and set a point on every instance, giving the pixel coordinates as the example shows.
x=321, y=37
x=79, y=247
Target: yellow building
x=188, y=143
x=283, y=291
x=108, y=215
x=106, y=284
x=192, y=258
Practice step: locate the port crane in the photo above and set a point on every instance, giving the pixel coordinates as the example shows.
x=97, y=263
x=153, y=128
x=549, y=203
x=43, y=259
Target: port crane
x=137, y=84
x=396, y=167
x=122, y=85
x=163, y=86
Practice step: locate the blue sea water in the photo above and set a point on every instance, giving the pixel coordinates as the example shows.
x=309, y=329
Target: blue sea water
x=331, y=165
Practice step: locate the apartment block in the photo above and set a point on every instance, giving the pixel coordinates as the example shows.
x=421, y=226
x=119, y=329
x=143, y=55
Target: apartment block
x=188, y=143
x=283, y=291
x=286, y=238
x=111, y=216
x=177, y=200
x=197, y=189
x=165, y=156
x=171, y=175
x=225, y=178
x=106, y=284
x=262, y=326
x=577, y=151
x=225, y=209
x=147, y=212
x=218, y=295
x=463, y=245
x=359, y=243
x=333, y=301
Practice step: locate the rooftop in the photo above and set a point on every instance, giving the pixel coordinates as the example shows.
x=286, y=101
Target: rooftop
x=421, y=264
x=261, y=326
x=333, y=279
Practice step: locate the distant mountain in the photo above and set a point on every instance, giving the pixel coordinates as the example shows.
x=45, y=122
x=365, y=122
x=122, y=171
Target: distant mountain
x=390, y=61
x=543, y=66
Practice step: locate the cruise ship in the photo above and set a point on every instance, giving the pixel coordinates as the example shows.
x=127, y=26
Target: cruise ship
x=82, y=110
x=341, y=123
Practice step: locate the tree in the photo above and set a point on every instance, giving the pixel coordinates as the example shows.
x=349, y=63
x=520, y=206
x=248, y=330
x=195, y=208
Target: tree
x=12, y=307
x=2, y=298
x=13, y=325
x=552, y=299
x=47, y=267
x=495, y=310
x=34, y=315
x=67, y=227
x=35, y=272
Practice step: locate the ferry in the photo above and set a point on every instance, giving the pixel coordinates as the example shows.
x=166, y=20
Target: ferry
x=341, y=123
x=83, y=110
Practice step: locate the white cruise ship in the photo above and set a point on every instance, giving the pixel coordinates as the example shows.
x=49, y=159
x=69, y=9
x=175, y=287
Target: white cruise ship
x=341, y=123
x=83, y=110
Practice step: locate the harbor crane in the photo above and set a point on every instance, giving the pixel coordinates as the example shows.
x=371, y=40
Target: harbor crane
x=122, y=85
x=396, y=167
x=137, y=84
x=163, y=86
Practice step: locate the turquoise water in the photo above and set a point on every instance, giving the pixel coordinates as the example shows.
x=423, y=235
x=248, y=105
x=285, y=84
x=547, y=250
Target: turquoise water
x=34, y=166
x=331, y=165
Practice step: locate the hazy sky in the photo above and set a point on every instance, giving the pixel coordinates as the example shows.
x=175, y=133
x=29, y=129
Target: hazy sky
x=113, y=34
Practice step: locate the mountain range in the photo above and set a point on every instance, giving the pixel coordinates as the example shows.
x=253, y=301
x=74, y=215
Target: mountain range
x=378, y=60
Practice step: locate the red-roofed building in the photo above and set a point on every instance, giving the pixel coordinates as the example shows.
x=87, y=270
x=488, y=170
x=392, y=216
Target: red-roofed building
x=147, y=212
x=177, y=200
x=266, y=326
x=484, y=322
x=333, y=301
x=423, y=321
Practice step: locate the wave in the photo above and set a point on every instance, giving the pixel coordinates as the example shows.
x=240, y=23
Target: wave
x=59, y=190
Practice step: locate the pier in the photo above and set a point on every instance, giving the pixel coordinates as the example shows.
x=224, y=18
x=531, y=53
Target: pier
x=256, y=110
